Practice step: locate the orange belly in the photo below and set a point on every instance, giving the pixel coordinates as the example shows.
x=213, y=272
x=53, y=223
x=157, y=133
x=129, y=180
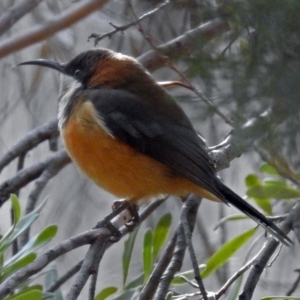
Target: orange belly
x=115, y=166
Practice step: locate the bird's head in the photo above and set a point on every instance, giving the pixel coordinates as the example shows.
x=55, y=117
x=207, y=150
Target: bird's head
x=100, y=68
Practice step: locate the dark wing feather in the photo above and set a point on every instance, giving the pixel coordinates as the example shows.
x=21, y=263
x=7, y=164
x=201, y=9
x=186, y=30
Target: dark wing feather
x=175, y=144
x=139, y=125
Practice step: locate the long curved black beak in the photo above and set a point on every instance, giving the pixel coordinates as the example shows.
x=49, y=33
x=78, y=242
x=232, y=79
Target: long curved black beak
x=46, y=63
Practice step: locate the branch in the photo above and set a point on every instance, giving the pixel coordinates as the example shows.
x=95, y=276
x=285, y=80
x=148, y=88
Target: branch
x=174, y=266
x=29, y=141
x=184, y=44
x=60, y=281
x=153, y=281
x=56, y=24
x=28, y=174
x=98, y=37
x=43, y=260
x=269, y=248
x=60, y=161
x=191, y=205
x=15, y=13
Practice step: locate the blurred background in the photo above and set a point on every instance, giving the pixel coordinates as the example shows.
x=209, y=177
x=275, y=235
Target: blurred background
x=244, y=59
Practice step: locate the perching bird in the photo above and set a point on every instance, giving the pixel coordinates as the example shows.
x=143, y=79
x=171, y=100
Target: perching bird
x=128, y=135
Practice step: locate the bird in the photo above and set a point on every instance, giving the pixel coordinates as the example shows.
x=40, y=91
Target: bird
x=130, y=136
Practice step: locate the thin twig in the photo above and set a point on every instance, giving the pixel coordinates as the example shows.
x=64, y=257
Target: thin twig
x=60, y=281
x=235, y=276
x=98, y=37
x=184, y=44
x=269, y=248
x=29, y=174
x=29, y=141
x=192, y=203
x=295, y=284
x=61, y=160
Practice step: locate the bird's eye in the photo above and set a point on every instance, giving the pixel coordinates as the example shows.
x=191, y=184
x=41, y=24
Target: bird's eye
x=77, y=74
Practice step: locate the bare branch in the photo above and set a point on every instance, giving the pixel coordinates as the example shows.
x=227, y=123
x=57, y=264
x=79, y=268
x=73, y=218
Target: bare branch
x=29, y=141
x=26, y=175
x=154, y=279
x=43, y=260
x=60, y=161
x=184, y=44
x=269, y=248
x=174, y=266
x=98, y=37
x=295, y=284
x=192, y=205
x=15, y=13
x=57, y=23
x=59, y=282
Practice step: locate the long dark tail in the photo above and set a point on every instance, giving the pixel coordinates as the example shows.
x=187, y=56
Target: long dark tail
x=250, y=211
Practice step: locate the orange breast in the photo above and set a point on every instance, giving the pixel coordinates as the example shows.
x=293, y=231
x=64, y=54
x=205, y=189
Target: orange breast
x=115, y=166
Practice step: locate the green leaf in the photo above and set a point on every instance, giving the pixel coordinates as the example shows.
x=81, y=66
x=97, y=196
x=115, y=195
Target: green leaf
x=252, y=180
x=35, y=243
x=139, y=280
x=19, y=264
x=273, y=189
x=16, y=207
x=45, y=236
x=235, y=217
x=128, y=247
x=226, y=251
x=160, y=233
x=268, y=169
x=22, y=225
x=147, y=254
x=32, y=295
x=179, y=278
x=264, y=204
x=105, y=293
x=26, y=290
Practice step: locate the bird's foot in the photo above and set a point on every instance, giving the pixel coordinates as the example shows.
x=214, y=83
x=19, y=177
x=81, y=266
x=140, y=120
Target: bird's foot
x=132, y=208
x=115, y=232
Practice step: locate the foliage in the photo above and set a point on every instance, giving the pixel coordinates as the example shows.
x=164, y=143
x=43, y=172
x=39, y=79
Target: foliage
x=26, y=254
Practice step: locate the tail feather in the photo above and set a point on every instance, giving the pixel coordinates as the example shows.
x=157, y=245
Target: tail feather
x=253, y=213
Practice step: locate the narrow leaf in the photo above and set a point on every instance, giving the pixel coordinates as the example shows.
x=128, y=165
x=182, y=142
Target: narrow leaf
x=32, y=295
x=226, y=251
x=105, y=293
x=16, y=207
x=268, y=169
x=19, y=264
x=179, y=278
x=139, y=280
x=160, y=233
x=235, y=217
x=273, y=189
x=147, y=254
x=128, y=248
x=265, y=205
